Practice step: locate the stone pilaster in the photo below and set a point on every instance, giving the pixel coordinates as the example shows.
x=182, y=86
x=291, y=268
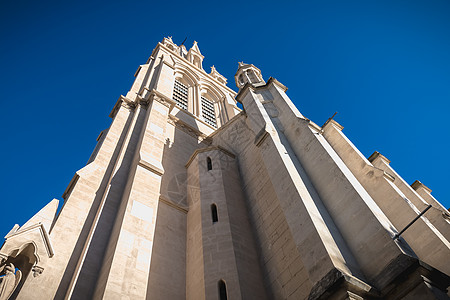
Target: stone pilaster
x=127, y=263
x=74, y=223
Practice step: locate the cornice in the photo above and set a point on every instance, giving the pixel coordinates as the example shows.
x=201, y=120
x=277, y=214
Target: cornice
x=161, y=98
x=126, y=102
x=130, y=104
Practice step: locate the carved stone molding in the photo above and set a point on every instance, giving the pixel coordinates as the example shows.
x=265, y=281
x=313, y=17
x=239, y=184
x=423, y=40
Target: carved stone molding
x=188, y=129
x=122, y=101
x=37, y=271
x=143, y=102
x=161, y=98
x=151, y=167
x=127, y=103
x=174, y=205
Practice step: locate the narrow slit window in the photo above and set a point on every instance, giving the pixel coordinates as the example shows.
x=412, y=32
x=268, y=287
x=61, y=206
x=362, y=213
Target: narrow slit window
x=209, y=163
x=214, y=215
x=241, y=79
x=222, y=290
x=180, y=94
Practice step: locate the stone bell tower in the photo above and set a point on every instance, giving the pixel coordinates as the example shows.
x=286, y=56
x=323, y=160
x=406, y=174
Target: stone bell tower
x=186, y=196
x=122, y=228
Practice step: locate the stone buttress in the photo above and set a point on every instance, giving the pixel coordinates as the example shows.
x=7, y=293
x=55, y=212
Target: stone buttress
x=186, y=196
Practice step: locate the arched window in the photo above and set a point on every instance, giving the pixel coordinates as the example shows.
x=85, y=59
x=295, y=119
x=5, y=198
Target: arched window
x=252, y=76
x=197, y=62
x=209, y=163
x=241, y=79
x=180, y=94
x=208, y=112
x=222, y=290
x=214, y=215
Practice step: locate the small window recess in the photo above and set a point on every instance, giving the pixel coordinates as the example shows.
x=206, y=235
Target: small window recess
x=222, y=290
x=214, y=214
x=209, y=163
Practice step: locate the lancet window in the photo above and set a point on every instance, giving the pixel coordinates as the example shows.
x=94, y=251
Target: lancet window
x=208, y=113
x=222, y=290
x=180, y=95
x=214, y=215
x=209, y=163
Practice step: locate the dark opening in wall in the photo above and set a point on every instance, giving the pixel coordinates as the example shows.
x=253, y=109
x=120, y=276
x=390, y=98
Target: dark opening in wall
x=209, y=163
x=222, y=290
x=214, y=215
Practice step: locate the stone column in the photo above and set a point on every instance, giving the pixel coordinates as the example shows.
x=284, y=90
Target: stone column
x=198, y=101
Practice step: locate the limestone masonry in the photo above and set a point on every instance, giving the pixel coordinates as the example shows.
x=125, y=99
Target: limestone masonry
x=186, y=196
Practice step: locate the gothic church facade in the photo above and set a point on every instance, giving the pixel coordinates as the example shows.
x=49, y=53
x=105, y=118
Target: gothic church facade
x=186, y=196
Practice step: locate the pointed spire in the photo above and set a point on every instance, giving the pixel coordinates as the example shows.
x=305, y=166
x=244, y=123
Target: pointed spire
x=196, y=48
x=217, y=75
x=45, y=215
x=195, y=56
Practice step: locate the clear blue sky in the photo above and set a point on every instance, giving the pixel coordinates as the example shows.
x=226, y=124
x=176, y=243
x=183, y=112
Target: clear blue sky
x=384, y=66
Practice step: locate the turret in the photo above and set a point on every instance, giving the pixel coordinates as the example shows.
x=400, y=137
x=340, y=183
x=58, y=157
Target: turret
x=248, y=73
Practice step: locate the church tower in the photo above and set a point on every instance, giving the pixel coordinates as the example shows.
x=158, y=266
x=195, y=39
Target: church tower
x=186, y=196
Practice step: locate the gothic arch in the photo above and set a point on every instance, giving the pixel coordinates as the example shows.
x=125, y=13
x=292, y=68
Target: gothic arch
x=186, y=74
x=222, y=287
x=210, y=89
x=24, y=258
x=28, y=249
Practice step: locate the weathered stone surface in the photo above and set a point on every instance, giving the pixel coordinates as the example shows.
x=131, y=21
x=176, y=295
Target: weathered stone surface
x=186, y=196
